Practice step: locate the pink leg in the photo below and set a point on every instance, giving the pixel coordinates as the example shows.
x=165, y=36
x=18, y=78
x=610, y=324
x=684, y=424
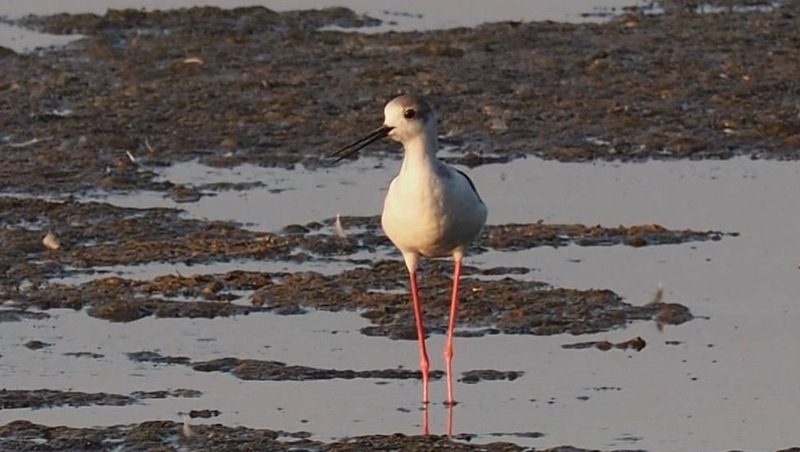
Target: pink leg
x=424, y=364
x=448, y=348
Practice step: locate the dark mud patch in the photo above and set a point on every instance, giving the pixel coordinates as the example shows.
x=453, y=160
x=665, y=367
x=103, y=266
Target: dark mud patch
x=184, y=393
x=49, y=398
x=638, y=344
x=516, y=237
x=26, y=436
x=115, y=299
x=135, y=309
x=519, y=434
x=203, y=414
x=166, y=435
x=157, y=358
x=36, y=345
x=185, y=21
x=506, y=305
x=46, y=398
x=475, y=376
x=16, y=315
x=379, y=292
x=242, y=85
x=672, y=314
x=95, y=234
x=253, y=369
x=84, y=355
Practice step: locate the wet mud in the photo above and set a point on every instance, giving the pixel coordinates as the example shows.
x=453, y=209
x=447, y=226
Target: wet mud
x=168, y=435
x=145, y=90
x=47, y=398
x=475, y=376
x=638, y=344
x=378, y=292
x=252, y=369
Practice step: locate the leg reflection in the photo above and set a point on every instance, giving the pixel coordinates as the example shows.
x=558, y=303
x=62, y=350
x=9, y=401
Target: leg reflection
x=425, y=422
x=450, y=419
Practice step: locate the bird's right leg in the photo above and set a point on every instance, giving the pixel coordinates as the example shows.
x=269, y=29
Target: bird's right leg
x=424, y=364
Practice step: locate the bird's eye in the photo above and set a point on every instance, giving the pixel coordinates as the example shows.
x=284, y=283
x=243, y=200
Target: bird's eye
x=410, y=113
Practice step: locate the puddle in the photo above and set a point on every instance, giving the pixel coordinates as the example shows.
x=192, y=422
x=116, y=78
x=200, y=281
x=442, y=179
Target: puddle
x=24, y=40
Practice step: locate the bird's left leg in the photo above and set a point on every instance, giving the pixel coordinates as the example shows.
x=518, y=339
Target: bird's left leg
x=448, y=347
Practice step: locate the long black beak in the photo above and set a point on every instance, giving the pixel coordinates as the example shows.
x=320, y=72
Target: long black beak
x=356, y=146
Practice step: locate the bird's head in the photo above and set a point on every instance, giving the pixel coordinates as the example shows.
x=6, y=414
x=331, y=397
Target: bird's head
x=405, y=118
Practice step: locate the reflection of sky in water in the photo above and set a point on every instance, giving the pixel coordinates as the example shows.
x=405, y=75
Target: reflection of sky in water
x=22, y=40
x=672, y=397
x=720, y=195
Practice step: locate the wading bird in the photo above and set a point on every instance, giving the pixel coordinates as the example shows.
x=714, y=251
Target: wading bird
x=431, y=209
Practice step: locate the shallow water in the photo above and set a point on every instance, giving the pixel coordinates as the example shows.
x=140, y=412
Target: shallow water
x=756, y=199
x=23, y=40
x=408, y=15
x=672, y=397
x=397, y=16
x=732, y=367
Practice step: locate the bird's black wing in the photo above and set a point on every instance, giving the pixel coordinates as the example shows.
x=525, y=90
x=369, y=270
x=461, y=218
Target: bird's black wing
x=471, y=184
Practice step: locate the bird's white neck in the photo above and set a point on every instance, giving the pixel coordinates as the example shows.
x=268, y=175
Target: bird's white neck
x=420, y=152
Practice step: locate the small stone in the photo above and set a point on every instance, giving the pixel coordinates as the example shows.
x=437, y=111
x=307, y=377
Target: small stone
x=50, y=241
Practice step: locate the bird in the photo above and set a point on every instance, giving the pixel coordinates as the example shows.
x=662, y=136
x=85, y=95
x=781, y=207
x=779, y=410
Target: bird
x=431, y=209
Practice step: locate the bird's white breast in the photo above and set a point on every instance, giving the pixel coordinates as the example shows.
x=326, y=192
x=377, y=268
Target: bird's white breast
x=432, y=211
